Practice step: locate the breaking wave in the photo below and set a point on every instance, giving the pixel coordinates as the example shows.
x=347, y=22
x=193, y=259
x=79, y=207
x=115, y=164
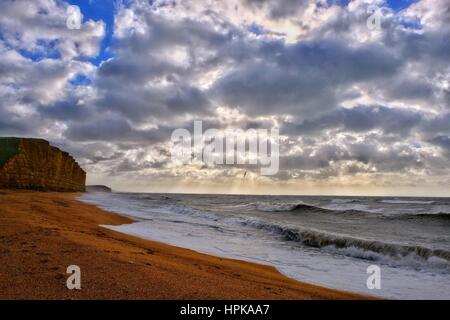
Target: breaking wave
x=284, y=207
x=345, y=201
x=360, y=248
x=396, y=201
x=438, y=216
x=298, y=206
x=301, y=206
x=354, y=210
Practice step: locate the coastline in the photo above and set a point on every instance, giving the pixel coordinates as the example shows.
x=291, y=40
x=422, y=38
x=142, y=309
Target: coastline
x=42, y=233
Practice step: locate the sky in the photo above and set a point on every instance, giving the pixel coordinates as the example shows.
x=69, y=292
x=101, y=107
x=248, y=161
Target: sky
x=360, y=110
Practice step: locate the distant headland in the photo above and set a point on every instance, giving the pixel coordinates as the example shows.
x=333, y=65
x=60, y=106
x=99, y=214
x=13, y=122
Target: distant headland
x=98, y=188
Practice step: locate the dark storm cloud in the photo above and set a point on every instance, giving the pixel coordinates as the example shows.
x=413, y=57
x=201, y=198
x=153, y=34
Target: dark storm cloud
x=361, y=119
x=127, y=165
x=14, y=126
x=115, y=129
x=443, y=142
x=437, y=125
x=134, y=78
x=303, y=79
x=92, y=152
x=397, y=158
x=14, y=123
x=187, y=99
x=410, y=89
x=422, y=46
x=278, y=9
x=66, y=110
x=141, y=104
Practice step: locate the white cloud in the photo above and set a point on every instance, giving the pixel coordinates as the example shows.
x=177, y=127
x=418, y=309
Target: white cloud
x=354, y=105
x=37, y=26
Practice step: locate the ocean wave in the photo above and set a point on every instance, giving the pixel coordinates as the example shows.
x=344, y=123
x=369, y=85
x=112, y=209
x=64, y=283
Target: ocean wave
x=437, y=216
x=356, y=209
x=352, y=208
x=238, y=206
x=285, y=207
x=357, y=247
x=304, y=207
x=345, y=201
x=395, y=201
x=186, y=210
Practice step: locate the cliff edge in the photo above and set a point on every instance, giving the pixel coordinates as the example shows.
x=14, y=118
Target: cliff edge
x=35, y=164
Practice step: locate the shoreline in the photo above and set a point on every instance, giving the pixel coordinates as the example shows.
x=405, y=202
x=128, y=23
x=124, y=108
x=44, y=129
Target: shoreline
x=42, y=233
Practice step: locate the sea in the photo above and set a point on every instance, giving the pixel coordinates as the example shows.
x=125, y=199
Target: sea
x=325, y=240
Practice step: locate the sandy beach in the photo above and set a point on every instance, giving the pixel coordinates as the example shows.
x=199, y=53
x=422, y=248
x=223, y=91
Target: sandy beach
x=43, y=233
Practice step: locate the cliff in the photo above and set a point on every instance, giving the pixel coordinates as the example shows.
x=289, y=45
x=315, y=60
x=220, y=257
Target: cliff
x=34, y=164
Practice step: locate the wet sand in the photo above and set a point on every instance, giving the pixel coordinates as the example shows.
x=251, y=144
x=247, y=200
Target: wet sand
x=42, y=233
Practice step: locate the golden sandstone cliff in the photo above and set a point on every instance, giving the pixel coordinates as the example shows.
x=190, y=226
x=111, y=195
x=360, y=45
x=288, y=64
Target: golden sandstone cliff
x=34, y=164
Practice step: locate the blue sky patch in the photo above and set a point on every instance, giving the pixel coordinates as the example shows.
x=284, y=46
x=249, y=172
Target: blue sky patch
x=99, y=10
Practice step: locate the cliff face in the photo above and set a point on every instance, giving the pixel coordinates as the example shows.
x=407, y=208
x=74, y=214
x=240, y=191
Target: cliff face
x=34, y=164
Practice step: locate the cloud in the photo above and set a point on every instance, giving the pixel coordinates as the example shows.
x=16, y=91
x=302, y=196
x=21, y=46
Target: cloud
x=362, y=119
x=286, y=77
x=443, y=142
x=40, y=26
x=352, y=104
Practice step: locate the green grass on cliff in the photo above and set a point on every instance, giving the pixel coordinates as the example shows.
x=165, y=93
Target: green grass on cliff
x=8, y=148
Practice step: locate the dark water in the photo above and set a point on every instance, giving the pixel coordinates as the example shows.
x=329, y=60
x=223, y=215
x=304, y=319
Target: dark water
x=324, y=240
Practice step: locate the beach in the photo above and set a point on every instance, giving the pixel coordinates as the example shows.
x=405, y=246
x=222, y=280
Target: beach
x=42, y=233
